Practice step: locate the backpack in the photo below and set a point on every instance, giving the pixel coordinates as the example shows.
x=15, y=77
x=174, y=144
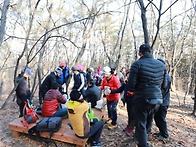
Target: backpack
x=30, y=116
x=47, y=124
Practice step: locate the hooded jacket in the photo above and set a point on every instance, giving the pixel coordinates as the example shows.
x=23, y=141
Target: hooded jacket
x=78, y=117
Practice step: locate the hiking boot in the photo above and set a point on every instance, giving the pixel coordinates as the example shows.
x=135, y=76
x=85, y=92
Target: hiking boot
x=109, y=121
x=126, y=129
x=163, y=138
x=112, y=126
x=99, y=144
x=129, y=132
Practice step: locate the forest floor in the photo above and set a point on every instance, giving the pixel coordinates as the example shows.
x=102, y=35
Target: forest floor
x=181, y=127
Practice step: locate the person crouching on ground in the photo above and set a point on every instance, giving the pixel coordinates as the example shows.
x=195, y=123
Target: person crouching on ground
x=93, y=93
x=51, y=104
x=80, y=122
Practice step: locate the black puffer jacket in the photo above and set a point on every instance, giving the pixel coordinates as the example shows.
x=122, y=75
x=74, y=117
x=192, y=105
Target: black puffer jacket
x=49, y=81
x=147, y=76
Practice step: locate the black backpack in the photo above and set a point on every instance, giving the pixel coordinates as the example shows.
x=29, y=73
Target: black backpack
x=47, y=124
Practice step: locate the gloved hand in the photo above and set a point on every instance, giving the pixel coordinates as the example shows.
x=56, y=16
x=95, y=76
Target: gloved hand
x=107, y=91
x=129, y=93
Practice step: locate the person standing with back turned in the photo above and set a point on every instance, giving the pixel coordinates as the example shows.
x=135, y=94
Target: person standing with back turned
x=22, y=91
x=160, y=115
x=147, y=76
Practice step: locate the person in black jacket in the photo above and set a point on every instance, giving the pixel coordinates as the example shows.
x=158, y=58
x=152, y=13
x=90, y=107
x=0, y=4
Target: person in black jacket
x=89, y=74
x=48, y=83
x=147, y=76
x=79, y=79
x=128, y=98
x=22, y=90
x=92, y=94
x=160, y=115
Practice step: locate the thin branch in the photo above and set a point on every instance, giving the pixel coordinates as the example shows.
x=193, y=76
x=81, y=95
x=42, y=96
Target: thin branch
x=169, y=7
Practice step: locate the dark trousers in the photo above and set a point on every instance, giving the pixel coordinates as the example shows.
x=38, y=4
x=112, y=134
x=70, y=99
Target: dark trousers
x=21, y=107
x=21, y=104
x=160, y=120
x=112, y=110
x=95, y=132
x=130, y=112
x=144, y=113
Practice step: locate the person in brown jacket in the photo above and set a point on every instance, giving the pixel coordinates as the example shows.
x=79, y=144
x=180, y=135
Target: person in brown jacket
x=22, y=91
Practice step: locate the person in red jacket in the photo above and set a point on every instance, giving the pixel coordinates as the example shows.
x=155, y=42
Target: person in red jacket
x=111, y=82
x=51, y=104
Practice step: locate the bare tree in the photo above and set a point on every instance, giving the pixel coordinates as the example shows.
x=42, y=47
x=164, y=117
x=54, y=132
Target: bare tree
x=3, y=19
x=20, y=57
x=194, y=107
x=144, y=21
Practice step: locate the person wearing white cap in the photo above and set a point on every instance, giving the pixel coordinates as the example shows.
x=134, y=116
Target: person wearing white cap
x=22, y=90
x=111, y=82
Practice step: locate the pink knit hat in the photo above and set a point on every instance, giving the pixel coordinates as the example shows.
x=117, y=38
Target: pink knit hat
x=80, y=66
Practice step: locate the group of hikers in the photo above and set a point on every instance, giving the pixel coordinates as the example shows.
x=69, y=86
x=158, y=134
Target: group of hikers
x=145, y=89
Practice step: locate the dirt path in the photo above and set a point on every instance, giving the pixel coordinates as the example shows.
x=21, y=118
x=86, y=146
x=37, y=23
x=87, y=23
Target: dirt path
x=181, y=127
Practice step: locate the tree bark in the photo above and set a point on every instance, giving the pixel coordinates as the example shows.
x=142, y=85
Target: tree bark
x=144, y=21
x=21, y=55
x=194, y=107
x=3, y=19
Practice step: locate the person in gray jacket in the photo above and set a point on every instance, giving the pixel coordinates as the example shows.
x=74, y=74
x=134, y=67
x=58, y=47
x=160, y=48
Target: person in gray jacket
x=92, y=94
x=147, y=76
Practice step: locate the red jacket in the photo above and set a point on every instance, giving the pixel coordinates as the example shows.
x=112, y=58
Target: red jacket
x=51, y=102
x=113, y=83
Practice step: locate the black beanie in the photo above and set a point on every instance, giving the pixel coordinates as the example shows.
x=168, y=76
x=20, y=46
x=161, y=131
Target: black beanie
x=75, y=95
x=55, y=86
x=92, y=81
x=145, y=48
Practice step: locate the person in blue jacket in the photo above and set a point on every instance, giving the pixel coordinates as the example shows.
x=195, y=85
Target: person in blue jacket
x=64, y=78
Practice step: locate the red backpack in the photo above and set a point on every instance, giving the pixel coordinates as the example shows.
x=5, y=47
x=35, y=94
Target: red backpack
x=30, y=116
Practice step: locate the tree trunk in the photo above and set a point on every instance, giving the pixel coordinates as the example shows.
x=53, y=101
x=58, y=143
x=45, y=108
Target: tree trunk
x=173, y=79
x=144, y=21
x=122, y=35
x=194, y=108
x=1, y=88
x=3, y=19
x=20, y=56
